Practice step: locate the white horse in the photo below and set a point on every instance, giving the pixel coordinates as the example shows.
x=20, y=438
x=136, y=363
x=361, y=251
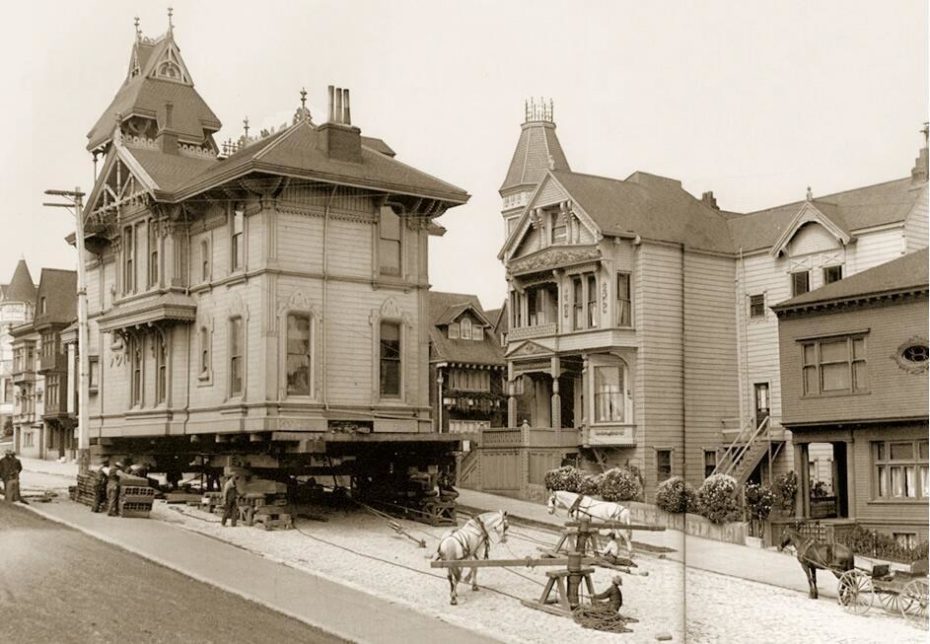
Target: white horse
x=471, y=541
x=579, y=505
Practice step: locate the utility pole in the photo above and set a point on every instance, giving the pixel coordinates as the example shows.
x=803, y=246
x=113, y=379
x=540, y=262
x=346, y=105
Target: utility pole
x=76, y=199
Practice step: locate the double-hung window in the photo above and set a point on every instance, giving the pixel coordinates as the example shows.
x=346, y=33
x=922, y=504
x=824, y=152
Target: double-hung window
x=757, y=306
x=624, y=300
x=389, y=244
x=592, y=302
x=800, y=283
x=161, y=371
x=236, y=346
x=390, y=359
x=609, y=405
x=153, y=255
x=129, y=259
x=237, y=249
x=298, y=354
x=136, y=363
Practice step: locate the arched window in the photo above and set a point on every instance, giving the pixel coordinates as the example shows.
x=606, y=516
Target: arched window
x=298, y=354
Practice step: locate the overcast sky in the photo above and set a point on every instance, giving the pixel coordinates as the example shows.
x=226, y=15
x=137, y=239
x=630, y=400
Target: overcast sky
x=752, y=100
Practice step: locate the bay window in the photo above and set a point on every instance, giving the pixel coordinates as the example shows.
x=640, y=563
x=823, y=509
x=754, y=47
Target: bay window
x=900, y=469
x=609, y=394
x=834, y=366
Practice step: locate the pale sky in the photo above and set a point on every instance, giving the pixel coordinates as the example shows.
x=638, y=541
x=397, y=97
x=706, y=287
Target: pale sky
x=752, y=100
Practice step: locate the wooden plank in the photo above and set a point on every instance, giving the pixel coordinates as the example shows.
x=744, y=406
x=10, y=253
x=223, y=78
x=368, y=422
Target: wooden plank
x=597, y=525
x=528, y=562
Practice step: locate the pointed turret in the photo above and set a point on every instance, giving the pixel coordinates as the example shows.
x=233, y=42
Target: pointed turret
x=537, y=151
x=157, y=103
x=21, y=287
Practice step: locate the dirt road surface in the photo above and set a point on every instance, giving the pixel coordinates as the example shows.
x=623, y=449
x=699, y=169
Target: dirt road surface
x=59, y=585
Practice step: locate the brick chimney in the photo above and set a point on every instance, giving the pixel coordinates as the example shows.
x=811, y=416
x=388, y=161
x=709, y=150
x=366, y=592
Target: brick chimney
x=341, y=140
x=709, y=200
x=919, y=172
x=167, y=139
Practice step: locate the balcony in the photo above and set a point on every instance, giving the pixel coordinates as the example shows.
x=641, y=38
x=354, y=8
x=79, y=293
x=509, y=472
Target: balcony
x=23, y=373
x=53, y=362
x=529, y=437
x=537, y=331
x=609, y=436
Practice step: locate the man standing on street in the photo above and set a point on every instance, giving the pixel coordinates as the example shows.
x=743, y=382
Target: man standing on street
x=113, y=489
x=10, y=467
x=231, y=500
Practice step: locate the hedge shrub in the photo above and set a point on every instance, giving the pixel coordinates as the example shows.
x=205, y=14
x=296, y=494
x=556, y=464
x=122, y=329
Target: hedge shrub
x=717, y=500
x=620, y=484
x=676, y=495
x=566, y=478
x=590, y=485
x=785, y=489
x=871, y=543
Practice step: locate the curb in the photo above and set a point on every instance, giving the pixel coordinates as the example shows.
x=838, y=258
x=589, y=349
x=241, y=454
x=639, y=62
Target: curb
x=166, y=564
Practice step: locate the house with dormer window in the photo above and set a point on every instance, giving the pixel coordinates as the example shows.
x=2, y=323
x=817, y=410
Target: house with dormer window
x=640, y=314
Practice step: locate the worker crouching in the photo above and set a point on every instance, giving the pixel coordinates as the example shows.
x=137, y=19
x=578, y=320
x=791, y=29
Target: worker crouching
x=611, y=600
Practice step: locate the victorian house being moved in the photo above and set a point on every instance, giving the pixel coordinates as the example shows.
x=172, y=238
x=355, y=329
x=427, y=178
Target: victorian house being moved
x=639, y=329
x=260, y=303
x=17, y=299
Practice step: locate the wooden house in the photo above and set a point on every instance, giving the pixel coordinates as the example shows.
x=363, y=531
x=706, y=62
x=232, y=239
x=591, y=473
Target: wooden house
x=854, y=358
x=17, y=299
x=638, y=327
x=264, y=301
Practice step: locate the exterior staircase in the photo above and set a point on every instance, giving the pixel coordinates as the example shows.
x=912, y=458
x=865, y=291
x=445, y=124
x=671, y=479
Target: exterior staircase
x=745, y=453
x=469, y=474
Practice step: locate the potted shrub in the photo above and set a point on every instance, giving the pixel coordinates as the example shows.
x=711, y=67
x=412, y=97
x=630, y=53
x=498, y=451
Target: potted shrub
x=676, y=496
x=717, y=500
x=620, y=484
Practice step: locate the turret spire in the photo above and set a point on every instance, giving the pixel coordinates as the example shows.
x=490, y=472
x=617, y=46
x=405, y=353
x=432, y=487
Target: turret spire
x=170, y=21
x=137, y=22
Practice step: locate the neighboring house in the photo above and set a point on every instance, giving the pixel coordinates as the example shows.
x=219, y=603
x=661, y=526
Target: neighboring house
x=466, y=365
x=16, y=301
x=638, y=318
x=854, y=358
x=43, y=428
x=265, y=303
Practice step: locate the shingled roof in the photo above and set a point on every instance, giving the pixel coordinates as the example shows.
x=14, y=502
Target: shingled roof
x=876, y=205
x=143, y=94
x=21, y=287
x=538, y=150
x=59, y=288
x=298, y=151
x=907, y=273
x=650, y=206
x=445, y=308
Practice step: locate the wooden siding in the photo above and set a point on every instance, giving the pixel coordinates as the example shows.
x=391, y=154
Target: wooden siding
x=876, y=248
x=660, y=356
x=892, y=392
x=889, y=515
x=711, y=380
x=916, y=226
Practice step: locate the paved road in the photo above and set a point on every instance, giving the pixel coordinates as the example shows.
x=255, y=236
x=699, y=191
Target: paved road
x=59, y=585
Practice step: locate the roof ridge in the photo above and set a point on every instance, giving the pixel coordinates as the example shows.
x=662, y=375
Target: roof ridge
x=799, y=202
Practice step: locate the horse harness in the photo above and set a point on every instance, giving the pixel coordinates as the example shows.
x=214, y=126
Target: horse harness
x=573, y=510
x=485, y=538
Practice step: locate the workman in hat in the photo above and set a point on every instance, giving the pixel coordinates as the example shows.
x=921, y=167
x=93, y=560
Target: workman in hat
x=113, y=484
x=231, y=500
x=611, y=599
x=10, y=467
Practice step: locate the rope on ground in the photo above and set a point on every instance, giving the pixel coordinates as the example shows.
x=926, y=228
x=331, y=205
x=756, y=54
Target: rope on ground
x=601, y=618
x=393, y=563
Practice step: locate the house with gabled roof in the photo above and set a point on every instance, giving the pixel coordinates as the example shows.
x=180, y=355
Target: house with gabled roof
x=262, y=301
x=466, y=365
x=854, y=358
x=640, y=312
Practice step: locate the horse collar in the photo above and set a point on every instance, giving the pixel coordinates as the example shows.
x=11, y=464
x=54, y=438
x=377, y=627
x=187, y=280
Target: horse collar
x=574, y=508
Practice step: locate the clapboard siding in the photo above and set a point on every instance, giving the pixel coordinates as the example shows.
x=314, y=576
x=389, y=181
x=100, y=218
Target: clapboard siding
x=916, y=227
x=660, y=329
x=711, y=381
x=892, y=392
x=876, y=248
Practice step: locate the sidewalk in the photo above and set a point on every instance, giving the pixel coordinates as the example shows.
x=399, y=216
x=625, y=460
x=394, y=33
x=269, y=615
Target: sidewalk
x=754, y=564
x=332, y=607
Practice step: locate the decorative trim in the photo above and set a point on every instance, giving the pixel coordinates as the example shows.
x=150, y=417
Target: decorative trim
x=909, y=366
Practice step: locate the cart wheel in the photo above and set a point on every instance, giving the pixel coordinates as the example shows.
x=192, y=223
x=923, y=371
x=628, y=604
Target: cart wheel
x=913, y=602
x=854, y=592
x=890, y=601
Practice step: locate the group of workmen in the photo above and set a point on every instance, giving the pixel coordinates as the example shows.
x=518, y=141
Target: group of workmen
x=106, y=491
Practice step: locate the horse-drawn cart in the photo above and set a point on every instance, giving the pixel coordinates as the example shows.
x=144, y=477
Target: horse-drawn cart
x=898, y=591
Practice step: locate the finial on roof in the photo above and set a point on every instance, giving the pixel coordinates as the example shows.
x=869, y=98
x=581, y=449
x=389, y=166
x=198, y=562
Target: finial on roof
x=137, y=22
x=303, y=97
x=170, y=21
x=925, y=130
x=810, y=194
x=245, y=127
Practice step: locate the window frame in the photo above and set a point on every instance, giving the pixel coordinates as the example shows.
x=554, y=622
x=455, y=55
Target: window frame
x=816, y=366
x=827, y=272
x=716, y=459
x=389, y=271
x=205, y=341
x=93, y=374
x=592, y=314
x=668, y=452
x=311, y=384
x=205, y=263
x=136, y=371
x=154, y=265
x=398, y=360
x=757, y=306
x=625, y=305
x=795, y=275
x=236, y=342
x=161, y=370
x=625, y=417
x=883, y=464
x=237, y=257
x=129, y=251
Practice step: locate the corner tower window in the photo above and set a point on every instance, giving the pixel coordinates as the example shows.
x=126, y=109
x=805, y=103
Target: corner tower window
x=298, y=355
x=390, y=359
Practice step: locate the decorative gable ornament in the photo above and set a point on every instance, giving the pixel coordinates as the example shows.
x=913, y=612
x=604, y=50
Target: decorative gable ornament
x=810, y=213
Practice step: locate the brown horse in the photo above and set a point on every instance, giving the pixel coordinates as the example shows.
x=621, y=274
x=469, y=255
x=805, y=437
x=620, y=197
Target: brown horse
x=836, y=558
